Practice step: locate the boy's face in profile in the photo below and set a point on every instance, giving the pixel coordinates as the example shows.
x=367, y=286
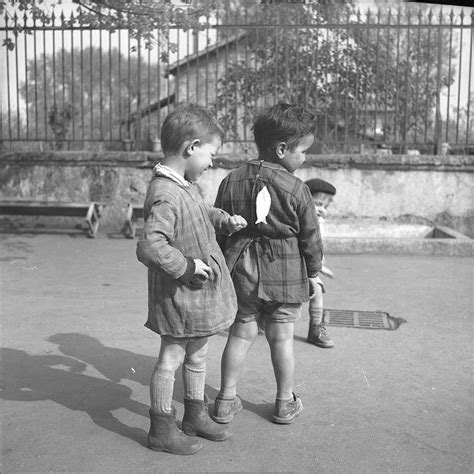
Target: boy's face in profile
x=200, y=158
x=321, y=203
x=294, y=157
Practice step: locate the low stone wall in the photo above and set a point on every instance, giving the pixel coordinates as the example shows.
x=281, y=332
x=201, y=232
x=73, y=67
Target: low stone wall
x=400, y=188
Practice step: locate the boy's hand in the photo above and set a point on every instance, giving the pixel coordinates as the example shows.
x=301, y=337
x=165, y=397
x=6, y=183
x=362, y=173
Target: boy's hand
x=313, y=285
x=202, y=273
x=326, y=272
x=236, y=223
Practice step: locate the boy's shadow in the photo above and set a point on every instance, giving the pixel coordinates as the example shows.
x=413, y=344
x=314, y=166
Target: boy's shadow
x=61, y=378
x=58, y=378
x=119, y=364
x=113, y=363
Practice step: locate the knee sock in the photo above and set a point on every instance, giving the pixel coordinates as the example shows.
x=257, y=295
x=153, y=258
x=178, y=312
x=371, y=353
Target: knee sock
x=315, y=315
x=228, y=393
x=161, y=390
x=194, y=379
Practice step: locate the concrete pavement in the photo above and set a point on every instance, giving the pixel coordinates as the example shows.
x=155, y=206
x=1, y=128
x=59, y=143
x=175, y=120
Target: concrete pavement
x=77, y=360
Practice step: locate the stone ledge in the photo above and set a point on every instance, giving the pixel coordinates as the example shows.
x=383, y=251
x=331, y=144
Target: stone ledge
x=463, y=163
x=119, y=159
x=143, y=159
x=445, y=247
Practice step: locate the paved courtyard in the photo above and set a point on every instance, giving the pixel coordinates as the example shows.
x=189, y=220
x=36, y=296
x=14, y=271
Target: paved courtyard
x=77, y=359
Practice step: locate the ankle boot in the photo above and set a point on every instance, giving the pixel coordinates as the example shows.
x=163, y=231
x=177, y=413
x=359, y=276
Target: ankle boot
x=165, y=435
x=197, y=422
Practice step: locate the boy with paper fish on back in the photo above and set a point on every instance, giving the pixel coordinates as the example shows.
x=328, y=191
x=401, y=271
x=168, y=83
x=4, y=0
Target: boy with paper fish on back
x=275, y=260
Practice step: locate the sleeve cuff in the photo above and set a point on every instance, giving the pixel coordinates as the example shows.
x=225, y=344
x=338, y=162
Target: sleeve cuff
x=187, y=276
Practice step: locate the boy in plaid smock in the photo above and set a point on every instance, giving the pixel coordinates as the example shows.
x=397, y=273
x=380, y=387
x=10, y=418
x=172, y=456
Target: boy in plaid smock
x=275, y=260
x=190, y=291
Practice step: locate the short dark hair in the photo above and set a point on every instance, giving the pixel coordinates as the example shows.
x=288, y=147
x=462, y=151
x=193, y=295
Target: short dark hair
x=317, y=185
x=282, y=123
x=187, y=123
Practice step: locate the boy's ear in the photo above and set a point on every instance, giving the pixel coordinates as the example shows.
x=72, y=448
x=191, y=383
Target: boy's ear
x=191, y=146
x=280, y=150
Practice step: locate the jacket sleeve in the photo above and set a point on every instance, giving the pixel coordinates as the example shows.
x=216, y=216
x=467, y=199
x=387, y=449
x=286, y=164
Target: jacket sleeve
x=310, y=242
x=154, y=249
x=220, y=235
x=219, y=219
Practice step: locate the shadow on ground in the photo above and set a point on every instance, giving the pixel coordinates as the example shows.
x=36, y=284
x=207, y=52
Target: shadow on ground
x=62, y=379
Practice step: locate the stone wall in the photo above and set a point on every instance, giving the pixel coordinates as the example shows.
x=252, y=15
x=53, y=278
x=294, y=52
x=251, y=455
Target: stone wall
x=400, y=188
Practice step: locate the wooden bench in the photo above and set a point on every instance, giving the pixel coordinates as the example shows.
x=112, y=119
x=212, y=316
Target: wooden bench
x=134, y=212
x=90, y=211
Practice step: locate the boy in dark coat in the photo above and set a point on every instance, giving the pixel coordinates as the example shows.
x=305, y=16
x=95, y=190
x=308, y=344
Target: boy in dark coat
x=275, y=260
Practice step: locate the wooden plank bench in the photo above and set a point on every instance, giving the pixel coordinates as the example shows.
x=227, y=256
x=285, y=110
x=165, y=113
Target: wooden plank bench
x=134, y=212
x=90, y=211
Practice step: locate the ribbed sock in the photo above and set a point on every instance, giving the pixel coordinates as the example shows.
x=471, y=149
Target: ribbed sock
x=194, y=379
x=161, y=389
x=315, y=315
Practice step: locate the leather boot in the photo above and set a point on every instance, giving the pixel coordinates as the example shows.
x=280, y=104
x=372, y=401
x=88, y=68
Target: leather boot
x=165, y=435
x=197, y=422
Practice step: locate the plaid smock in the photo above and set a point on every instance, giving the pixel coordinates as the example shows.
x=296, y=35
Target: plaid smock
x=288, y=247
x=179, y=227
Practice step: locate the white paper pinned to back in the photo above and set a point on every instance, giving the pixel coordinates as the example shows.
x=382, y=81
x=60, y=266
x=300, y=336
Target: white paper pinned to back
x=262, y=205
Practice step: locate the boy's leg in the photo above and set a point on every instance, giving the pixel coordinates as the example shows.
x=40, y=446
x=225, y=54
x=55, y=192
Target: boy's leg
x=241, y=338
x=196, y=420
x=280, y=339
x=317, y=334
x=162, y=379
x=279, y=330
x=164, y=434
x=194, y=368
x=242, y=334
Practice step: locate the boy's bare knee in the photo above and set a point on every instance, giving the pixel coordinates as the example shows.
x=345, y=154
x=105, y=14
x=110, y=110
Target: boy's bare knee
x=247, y=331
x=196, y=351
x=171, y=360
x=278, y=332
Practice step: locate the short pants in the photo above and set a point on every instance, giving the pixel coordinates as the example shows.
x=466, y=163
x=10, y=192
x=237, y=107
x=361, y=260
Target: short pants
x=250, y=306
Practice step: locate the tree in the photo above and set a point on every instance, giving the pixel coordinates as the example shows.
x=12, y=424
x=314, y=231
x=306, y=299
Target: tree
x=76, y=112
x=87, y=93
x=363, y=80
x=148, y=20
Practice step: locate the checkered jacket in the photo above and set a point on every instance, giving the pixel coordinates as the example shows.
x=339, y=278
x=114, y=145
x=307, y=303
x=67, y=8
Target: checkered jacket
x=289, y=246
x=179, y=228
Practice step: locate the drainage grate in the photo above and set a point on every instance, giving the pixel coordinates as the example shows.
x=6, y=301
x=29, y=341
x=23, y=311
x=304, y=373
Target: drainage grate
x=361, y=319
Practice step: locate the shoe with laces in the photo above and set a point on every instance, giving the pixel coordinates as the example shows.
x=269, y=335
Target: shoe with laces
x=224, y=410
x=287, y=410
x=318, y=336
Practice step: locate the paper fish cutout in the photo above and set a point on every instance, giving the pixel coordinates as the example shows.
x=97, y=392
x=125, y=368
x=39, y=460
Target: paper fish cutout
x=262, y=204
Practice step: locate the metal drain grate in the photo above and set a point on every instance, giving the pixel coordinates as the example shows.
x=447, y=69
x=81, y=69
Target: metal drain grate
x=361, y=319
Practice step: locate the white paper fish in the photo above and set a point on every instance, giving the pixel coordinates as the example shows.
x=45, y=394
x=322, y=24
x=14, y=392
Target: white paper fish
x=262, y=205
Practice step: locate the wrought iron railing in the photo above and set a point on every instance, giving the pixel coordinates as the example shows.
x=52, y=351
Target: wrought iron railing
x=386, y=77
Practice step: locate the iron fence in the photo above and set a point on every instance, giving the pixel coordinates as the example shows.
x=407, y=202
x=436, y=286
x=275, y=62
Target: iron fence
x=386, y=77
